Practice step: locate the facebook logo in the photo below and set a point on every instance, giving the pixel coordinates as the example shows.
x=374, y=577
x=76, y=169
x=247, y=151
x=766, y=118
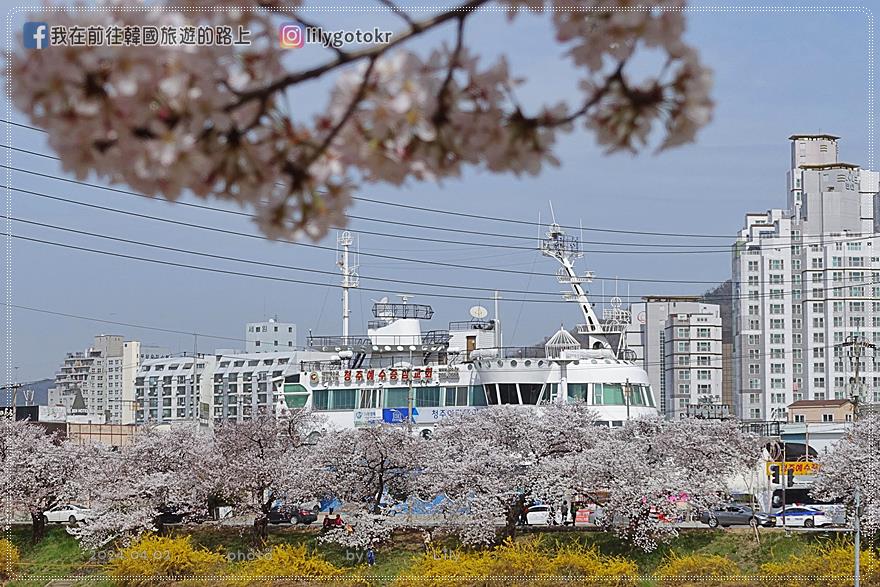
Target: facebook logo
x=36, y=35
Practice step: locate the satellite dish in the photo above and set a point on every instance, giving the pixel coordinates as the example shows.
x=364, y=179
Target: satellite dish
x=479, y=312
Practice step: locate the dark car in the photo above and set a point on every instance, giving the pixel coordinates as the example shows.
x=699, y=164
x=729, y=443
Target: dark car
x=169, y=516
x=732, y=515
x=285, y=515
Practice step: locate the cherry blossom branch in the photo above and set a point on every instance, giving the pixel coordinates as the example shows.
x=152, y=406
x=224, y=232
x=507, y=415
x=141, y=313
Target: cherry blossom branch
x=370, y=52
x=443, y=96
x=399, y=12
x=352, y=106
x=615, y=77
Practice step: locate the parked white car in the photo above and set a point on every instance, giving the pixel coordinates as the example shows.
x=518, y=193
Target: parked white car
x=539, y=515
x=67, y=512
x=802, y=517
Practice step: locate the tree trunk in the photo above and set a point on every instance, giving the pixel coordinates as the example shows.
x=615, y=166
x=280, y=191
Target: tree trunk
x=512, y=517
x=38, y=527
x=261, y=529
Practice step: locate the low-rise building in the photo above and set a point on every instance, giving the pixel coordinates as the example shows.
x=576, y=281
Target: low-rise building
x=270, y=336
x=823, y=411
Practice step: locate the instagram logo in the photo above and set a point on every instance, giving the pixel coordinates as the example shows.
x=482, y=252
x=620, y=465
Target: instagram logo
x=290, y=36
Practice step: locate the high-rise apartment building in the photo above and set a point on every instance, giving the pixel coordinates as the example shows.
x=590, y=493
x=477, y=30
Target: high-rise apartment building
x=678, y=341
x=804, y=279
x=270, y=336
x=103, y=375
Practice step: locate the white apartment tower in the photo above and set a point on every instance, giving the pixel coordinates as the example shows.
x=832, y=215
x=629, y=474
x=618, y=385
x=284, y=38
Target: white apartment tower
x=804, y=279
x=271, y=336
x=104, y=375
x=678, y=341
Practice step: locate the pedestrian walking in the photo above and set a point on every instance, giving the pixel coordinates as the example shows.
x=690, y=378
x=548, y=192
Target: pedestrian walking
x=371, y=557
x=565, y=513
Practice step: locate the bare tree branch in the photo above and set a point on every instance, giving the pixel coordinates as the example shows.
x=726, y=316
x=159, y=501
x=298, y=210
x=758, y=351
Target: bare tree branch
x=443, y=96
x=358, y=97
x=413, y=25
x=367, y=53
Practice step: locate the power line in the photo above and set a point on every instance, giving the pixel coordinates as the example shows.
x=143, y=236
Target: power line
x=363, y=218
x=253, y=275
x=410, y=225
x=475, y=216
x=407, y=292
x=710, y=248
x=126, y=324
x=265, y=263
x=249, y=235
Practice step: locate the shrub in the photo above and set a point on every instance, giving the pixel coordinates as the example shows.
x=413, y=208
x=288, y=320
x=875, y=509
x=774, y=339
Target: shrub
x=830, y=564
x=153, y=559
x=519, y=563
x=585, y=563
x=443, y=568
x=286, y=561
x=9, y=557
x=697, y=570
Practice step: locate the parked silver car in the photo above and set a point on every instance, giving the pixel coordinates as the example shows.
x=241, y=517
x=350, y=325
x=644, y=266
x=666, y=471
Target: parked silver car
x=733, y=515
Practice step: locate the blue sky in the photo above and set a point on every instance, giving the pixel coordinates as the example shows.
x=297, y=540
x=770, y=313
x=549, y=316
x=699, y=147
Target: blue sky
x=775, y=74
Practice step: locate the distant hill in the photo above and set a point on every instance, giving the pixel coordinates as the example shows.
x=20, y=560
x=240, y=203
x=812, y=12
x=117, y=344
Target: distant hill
x=40, y=389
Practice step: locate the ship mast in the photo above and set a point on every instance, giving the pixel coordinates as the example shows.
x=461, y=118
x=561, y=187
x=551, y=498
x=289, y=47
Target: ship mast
x=349, y=278
x=566, y=249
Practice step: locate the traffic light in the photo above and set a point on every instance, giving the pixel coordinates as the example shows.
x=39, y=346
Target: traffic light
x=789, y=476
x=774, y=474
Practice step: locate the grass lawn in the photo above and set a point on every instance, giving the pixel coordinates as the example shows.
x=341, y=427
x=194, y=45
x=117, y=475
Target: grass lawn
x=59, y=554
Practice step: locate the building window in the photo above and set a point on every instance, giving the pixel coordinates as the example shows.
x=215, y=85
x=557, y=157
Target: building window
x=828, y=417
x=799, y=418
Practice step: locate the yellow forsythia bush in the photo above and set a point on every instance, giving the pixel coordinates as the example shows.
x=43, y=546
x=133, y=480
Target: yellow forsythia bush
x=285, y=562
x=160, y=559
x=519, y=563
x=582, y=562
x=831, y=564
x=697, y=570
x=9, y=557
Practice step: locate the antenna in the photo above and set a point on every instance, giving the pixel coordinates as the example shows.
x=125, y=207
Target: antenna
x=349, y=277
x=552, y=213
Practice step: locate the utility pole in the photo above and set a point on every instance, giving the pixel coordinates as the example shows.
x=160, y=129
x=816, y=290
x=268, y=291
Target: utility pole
x=13, y=387
x=856, y=347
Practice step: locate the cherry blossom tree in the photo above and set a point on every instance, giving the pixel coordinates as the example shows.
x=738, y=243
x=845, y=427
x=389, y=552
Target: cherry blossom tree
x=851, y=465
x=212, y=119
x=640, y=473
x=262, y=460
x=372, y=471
x=491, y=463
x=39, y=470
x=161, y=472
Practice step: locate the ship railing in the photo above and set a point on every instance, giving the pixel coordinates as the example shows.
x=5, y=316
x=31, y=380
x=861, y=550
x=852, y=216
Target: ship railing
x=766, y=429
x=460, y=325
x=510, y=352
x=357, y=341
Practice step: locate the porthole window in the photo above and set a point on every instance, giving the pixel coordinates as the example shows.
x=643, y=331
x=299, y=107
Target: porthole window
x=500, y=363
x=528, y=363
x=513, y=363
x=470, y=367
x=540, y=363
x=594, y=361
x=577, y=362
